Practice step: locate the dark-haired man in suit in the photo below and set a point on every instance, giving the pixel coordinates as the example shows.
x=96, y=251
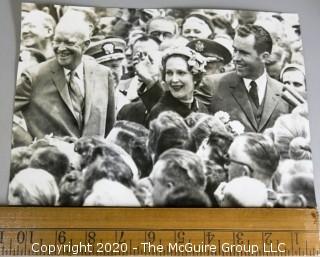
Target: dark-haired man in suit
x=69, y=95
x=249, y=94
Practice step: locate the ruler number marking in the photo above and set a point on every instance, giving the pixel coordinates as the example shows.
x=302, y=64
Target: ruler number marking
x=267, y=236
x=62, y=237
x=150, y=236
x=91, y=237
x=239, y=238
x=180, y=237
x=209, y=236
x=120, y=237
x=22, y=236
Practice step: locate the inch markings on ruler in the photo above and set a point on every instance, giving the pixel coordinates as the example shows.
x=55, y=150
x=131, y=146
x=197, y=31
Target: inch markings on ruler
x=177, y=232
x=275, y=242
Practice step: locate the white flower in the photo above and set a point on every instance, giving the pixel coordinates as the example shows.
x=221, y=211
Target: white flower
x=197, y=64
x=223, y=116
x=192, y=62
x=236, y=127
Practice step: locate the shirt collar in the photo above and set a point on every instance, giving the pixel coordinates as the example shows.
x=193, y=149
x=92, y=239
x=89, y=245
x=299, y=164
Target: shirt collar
x=79, y=70
x=261, y=81
x=261, y=85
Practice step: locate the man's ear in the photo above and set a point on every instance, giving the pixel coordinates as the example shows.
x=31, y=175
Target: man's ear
x=246, y=171
x=222, y=69
x=265, y=57
x=170, y=185
x=50, y=32
x=86, y=44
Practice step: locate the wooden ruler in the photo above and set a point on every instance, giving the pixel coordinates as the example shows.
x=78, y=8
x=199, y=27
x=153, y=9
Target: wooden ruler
x=154, y=231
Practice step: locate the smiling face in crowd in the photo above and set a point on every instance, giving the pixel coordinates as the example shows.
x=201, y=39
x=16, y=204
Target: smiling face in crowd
x=194, y=28
x=69, y=44
x=178, y=78
x=34, y=30
x=248, y=62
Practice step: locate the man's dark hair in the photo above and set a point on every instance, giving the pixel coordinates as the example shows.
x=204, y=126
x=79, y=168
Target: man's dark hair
x=72, y=189
x=107, y=162
x=183, y=167
x=51, y=160
x=263, y=40
x=167, y=131
x=187, y=197
x=262, y=151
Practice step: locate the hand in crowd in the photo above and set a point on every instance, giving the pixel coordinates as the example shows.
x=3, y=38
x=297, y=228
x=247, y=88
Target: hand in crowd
x=146, y=69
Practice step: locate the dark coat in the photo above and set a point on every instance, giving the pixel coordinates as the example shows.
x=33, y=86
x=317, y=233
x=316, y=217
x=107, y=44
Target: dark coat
x=139, y=109
x=169, y=103
x=230, y=95
x=135, y=111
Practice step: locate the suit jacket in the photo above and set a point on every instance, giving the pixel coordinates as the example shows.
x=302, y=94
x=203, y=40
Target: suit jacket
x=43, y=96
x=229, y=94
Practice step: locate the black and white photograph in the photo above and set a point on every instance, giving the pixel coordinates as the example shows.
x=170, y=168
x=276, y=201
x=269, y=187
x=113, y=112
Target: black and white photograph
x=160, y=108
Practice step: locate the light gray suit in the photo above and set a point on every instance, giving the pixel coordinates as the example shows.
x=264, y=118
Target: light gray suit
x=43, y=97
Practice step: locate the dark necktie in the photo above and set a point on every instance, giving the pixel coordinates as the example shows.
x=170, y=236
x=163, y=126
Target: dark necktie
x=76, y=96
x=253, y=93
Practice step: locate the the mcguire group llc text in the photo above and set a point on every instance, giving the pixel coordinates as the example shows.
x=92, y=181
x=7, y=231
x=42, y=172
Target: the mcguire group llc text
x=149, y=248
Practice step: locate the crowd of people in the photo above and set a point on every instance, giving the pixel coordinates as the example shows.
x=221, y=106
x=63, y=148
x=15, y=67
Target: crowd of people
x=160, y=108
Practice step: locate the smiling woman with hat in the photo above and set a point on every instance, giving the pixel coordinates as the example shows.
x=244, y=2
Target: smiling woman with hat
x=182, y=72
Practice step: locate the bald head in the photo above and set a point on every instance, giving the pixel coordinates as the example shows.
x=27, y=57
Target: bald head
x=85, y=14
x=70, y=25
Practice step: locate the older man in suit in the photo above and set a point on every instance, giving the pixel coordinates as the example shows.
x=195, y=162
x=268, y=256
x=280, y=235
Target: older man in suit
x=69, y=95
x=249, y=94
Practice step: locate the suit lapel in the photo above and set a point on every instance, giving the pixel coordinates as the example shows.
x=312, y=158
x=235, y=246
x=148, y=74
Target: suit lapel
x=89, y=83
x=272, y=96
x=60, y=82
x=239, y=92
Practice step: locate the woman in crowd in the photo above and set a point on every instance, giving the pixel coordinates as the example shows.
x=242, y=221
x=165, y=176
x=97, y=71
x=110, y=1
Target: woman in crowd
x=182, y=72
x=196, y=26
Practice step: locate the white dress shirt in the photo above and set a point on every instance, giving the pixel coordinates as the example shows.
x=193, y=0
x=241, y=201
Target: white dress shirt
x=79, y=77
x=261, y=85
